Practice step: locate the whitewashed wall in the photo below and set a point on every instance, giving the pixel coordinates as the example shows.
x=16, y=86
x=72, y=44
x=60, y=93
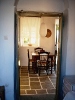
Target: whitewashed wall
x=23, y=57
x=49, y=43
x=68, y=42
x=70, y=62
x=7, y=47
x=41, y=5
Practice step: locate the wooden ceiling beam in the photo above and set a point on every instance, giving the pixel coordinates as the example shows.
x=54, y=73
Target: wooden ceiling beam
x=38, y=14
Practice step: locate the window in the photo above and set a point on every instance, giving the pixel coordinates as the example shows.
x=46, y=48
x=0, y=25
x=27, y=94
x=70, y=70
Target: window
x=29, y=31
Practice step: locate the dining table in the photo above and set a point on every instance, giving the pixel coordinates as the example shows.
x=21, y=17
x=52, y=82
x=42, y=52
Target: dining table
x=35, y=56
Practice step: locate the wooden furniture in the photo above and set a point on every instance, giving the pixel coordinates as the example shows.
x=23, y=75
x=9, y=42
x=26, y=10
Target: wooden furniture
x=38, y=49
x=68, y=84
x=2, y=93
x=30, y=62
x=42, y=63
x=54, y=62
x=35, y=56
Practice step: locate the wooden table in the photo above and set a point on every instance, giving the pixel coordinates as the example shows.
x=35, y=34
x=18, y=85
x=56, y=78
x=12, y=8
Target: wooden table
x=35, y=56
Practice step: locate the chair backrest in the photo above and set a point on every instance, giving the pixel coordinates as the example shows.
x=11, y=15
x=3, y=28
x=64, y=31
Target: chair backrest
x=38, y=49
x=28, y=53
x=43, y=56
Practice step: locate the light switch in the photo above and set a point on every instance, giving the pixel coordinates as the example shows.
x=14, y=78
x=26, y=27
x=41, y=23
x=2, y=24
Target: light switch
x=5, y=37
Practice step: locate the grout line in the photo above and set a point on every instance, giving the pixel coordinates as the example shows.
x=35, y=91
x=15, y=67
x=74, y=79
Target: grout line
x=40, y=83
x=36, y=91
x=26, y=91
x=46, y=91
x=51, y=82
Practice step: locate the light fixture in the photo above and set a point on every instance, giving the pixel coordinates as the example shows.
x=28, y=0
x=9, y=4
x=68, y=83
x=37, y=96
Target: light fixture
x=43, y=29
x=49, y=33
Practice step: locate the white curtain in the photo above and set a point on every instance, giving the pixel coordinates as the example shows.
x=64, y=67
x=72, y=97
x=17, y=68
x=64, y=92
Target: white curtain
x=30, y=28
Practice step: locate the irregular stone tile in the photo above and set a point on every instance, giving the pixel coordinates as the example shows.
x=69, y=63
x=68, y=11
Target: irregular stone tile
x=30, y=91
x=24, y=87
x=24, y=74
x=34, y=79
x=32, y=75
x=22, y=91
x=24, y=79
x=51, y=90
x=41, y=92
x=24, y=83
x=24, y=71
x=44, y=79
x=46, y=85
x=35, y=85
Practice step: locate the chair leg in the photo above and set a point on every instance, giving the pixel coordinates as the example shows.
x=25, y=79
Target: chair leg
x=55, y=67
x=51, y=69
x=47, y=72
x=29, y=67
x=39, y=71
x=34, y=67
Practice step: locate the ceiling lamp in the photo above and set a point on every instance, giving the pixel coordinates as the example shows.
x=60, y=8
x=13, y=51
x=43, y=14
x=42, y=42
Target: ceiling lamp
x=43, y=29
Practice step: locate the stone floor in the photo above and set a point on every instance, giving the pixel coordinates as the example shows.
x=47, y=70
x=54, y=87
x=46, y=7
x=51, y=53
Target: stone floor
x=33, y=84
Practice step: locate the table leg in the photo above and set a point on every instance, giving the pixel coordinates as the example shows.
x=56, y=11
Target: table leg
x=51, y=64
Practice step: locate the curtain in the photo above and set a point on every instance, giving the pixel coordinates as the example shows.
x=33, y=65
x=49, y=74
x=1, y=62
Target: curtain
x=29, y=31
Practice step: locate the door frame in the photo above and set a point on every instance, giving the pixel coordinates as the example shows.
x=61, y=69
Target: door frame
x=39, y=14
x=16, y=67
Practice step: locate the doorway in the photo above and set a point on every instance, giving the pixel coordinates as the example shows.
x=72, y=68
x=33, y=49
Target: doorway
x=54, y=15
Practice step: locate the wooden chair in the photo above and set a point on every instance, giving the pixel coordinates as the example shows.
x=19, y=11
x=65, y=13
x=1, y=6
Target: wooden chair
x=42, y=63
x=38, y=49
x=54, y=60
x=52, y=63
x=31, y=62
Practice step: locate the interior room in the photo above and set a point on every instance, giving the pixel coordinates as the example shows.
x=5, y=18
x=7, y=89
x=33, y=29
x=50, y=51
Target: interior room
x=48, y=40
x=43, y=40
